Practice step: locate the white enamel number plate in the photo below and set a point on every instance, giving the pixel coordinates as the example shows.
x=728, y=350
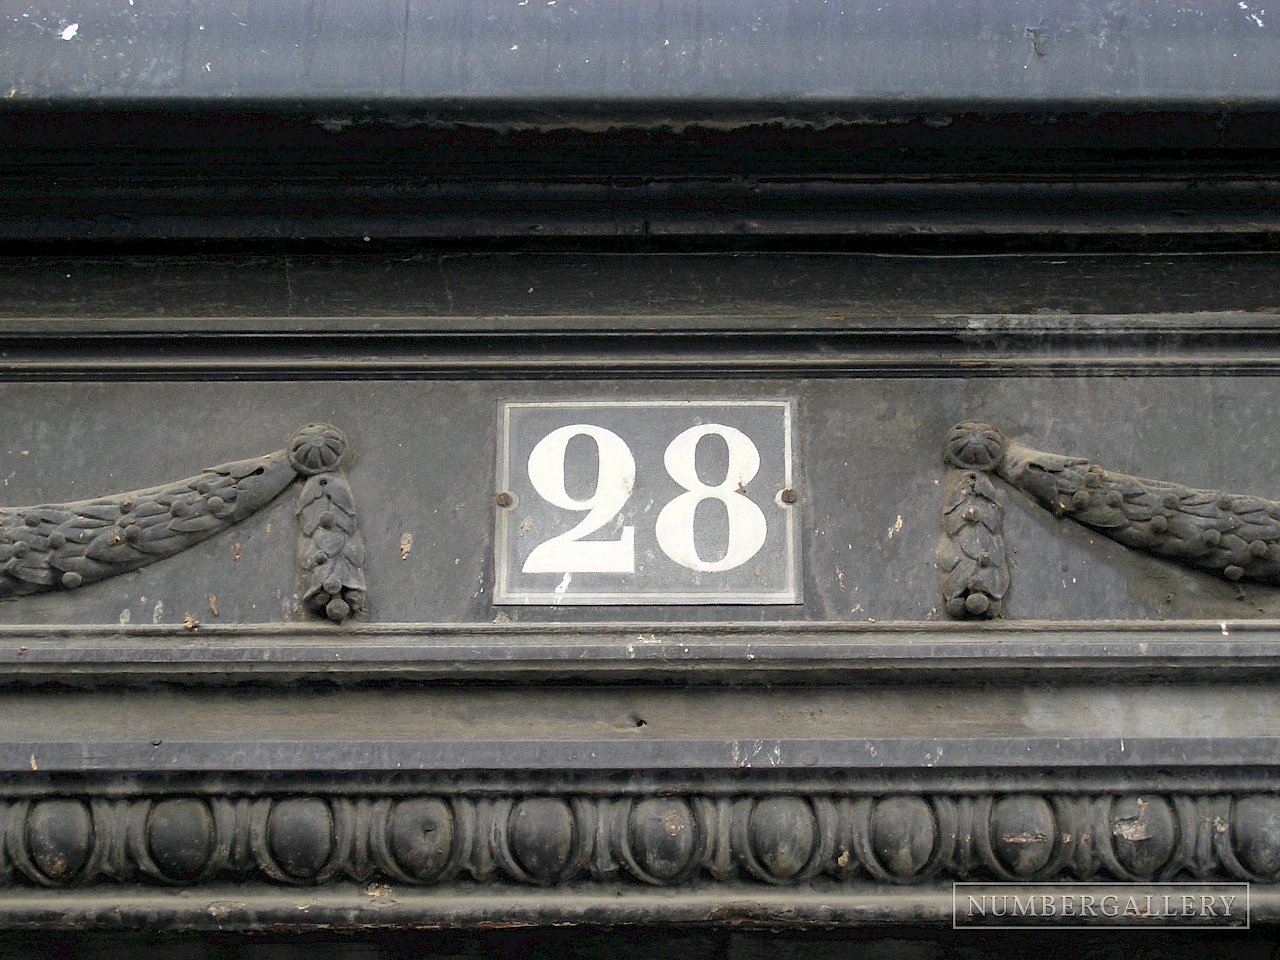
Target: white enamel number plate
x=647, y=502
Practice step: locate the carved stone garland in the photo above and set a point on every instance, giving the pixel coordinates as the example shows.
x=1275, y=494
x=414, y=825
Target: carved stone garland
x=1233, y=536
x=426, y=839
x=66, y=545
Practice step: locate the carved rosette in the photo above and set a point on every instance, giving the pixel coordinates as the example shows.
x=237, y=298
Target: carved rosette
x=653, y=840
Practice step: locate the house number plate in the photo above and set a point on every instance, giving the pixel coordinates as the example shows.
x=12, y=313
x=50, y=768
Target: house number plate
x=647, y=502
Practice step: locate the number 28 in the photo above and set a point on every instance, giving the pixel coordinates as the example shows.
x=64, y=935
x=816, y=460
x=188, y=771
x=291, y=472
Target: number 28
x=615, y=480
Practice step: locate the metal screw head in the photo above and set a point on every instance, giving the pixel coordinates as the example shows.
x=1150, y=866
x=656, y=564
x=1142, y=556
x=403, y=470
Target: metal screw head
x=504, y=499
x=789, y=496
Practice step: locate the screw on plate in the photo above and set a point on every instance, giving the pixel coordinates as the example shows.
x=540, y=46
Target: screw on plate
x=504, y=499
x=789, y=496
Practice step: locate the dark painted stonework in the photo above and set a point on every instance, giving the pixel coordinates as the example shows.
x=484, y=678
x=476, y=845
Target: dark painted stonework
x=280, y=706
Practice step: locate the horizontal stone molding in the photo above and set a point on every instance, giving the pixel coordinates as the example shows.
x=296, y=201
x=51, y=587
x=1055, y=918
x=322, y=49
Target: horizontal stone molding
x=303, y=360
x=657, y=840
x=810, y=652
x=349, y=906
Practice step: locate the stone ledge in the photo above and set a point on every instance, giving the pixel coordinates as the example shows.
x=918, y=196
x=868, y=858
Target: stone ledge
x=808, y=652
x=248, y=907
